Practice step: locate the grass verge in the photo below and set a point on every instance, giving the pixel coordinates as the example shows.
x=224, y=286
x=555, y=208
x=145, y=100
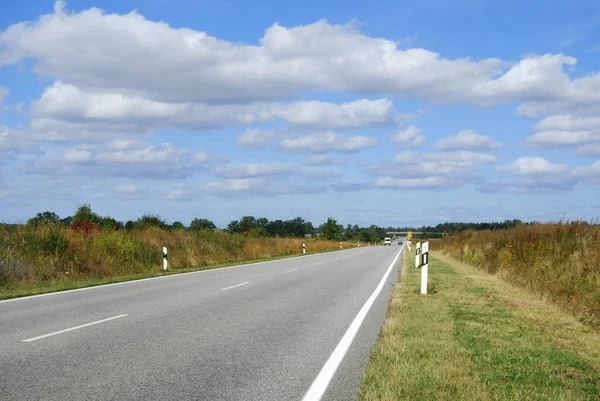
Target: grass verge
x=475, y=337
x=66, y=284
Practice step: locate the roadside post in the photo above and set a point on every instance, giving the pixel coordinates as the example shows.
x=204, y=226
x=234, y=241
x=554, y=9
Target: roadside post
x=340, y=244
x=165, y=263
x=303, y=248
x=358, y=244
x=408, y=243
x=425, y=268
x=418, y=255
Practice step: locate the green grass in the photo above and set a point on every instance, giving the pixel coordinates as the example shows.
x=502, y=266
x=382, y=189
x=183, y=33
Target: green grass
x=478, y=338
x=66, y=284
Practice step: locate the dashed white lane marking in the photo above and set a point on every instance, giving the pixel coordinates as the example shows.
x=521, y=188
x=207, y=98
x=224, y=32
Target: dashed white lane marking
x=293, y=270
x=72, y=328
x=233, y=286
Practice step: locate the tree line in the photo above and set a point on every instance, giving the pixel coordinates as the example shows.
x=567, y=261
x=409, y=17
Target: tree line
x=85, y=219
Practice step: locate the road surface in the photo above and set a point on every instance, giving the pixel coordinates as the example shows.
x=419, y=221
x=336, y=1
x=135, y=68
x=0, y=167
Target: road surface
x=265, y=331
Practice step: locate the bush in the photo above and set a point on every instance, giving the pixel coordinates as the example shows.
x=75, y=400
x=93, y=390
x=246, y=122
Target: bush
x=560, y=262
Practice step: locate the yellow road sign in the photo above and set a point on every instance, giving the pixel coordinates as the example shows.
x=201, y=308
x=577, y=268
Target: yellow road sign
x=410, y=235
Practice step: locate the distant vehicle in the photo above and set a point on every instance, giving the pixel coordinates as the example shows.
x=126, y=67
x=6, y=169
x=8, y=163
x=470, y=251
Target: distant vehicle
x=399, y=242
x=387, y=241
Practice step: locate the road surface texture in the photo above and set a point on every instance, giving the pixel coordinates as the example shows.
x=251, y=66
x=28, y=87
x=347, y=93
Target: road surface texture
x=256, y=332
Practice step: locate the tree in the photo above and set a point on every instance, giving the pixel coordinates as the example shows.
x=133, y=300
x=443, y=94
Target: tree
x=108, y=223
x=43, y=218
x=202, y=224
x=67, y=221
x=234, y=227
x=331, y=229
x=247, y=223
x=150, y=220
x=177, y=225
x=129, y=225
x=84, y=214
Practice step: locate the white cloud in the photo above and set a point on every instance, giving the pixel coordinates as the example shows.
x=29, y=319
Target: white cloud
x=252, y=170
x=257, y=186
x=329, y=116
x=326, y=142
x=528, y=166
x=561, y=138
x=77, y=156
x=126, y=188
x=430, y=170
x=567, y=122
x=467, y=140
x=319, y=160
x=3, y=93
x=320, y=173
x=540, y=173
x=411, y=136
x=417, y=183
x=122, y=159
x=463, y=159
x=287, y=61
x=103, y=110
x=255, y=139
x=576, y=129
x=14, y=142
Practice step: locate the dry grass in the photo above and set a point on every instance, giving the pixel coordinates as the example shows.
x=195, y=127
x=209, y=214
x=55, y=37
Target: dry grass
x=478, y=338
x=560, y=262
x=53, y=256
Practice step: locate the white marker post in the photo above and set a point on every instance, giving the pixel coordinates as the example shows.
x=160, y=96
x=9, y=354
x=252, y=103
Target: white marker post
x=340, y=244
x=303, y=248
x=165, y=263
x=417, y=255
x=408, y=243
x=358, y=244
x=425, y=268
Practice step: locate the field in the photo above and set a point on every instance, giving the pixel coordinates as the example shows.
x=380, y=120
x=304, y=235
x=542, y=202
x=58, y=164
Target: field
x=559, y=262
x=53, y=257
x=477, y=337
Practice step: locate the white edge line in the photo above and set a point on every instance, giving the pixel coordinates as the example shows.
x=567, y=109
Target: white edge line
x=319, y=263
x=233, y=286
x=168, y=276
x=293, y=270
x=72, y=328
x=318, y=387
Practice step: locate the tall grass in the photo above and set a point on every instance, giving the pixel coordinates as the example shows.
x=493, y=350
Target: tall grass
x=559, y=261
x=53, y=253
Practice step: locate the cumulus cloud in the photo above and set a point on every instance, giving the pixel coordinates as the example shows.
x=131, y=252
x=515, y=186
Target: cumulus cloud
x=410, y=136
x=122, y=159
x=430, y=170
x=255, y=139
x=251, y=170
x=326, y=142
x=99, y=110
x=329, y=116
x=3, y=93
x=438, y=183
x=257, y=186
x=527, y=166
x=286, y=61
x=319, y=160
x=561, y=138
x=467, y=140
x=580, y=132
x=126, y=188
x=14, y=143
x=540, y=173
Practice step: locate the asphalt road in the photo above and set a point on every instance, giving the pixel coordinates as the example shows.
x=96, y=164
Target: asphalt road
x=255, y=332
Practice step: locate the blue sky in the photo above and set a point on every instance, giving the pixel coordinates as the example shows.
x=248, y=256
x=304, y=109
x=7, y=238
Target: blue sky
x=388, y=113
